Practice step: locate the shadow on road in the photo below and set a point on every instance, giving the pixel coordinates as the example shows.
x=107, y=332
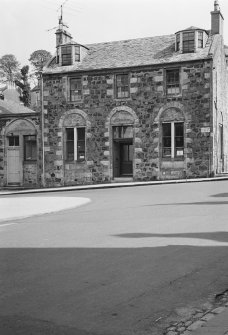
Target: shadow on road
x=215, y=236
x=190, y=203
x=124, y=291
x=220, y=195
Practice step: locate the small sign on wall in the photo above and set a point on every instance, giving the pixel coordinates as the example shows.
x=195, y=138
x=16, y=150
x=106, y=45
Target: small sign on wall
x=205, y=130
x=180, y=153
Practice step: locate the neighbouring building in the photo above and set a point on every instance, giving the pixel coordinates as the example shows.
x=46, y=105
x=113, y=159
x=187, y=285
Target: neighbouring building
x=148, y=109
x=20, y=145
x=10, y=91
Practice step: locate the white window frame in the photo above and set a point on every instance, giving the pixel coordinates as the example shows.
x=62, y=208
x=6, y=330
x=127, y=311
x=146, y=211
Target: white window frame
x=75, y=143
x=173, y=148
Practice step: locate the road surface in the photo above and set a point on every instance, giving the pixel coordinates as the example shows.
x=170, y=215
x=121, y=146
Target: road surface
x=128, y=262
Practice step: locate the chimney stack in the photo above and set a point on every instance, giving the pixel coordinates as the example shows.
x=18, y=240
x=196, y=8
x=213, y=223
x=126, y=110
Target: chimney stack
x=216, y=20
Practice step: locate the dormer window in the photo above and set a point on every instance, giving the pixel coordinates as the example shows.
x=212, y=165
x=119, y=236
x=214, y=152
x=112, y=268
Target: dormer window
x=188, y=42
x=191, y=39
x=66, y=55
x=200, y=39
x=77, y=53
x=178, y=42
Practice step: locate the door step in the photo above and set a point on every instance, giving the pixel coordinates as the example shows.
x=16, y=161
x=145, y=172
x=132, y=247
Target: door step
x=122, y=180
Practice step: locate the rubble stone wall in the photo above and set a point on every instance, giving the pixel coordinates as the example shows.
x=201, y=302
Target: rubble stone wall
x=149, y=103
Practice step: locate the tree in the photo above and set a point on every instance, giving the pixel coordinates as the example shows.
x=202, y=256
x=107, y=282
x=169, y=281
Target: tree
x=9, y=67
x=24, y=85
x=38, y=59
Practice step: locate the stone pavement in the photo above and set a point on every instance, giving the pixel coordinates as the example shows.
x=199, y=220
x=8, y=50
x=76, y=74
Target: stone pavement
x=109, y=185
x=212, y=319
x=217, y=325
x=212, y=322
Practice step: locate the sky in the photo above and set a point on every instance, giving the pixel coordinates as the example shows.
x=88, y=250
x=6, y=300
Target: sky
x=29, y=25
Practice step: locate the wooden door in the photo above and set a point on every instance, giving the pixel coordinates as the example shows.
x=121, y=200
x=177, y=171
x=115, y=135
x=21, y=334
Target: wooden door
x=13, y=166
x=126, y=159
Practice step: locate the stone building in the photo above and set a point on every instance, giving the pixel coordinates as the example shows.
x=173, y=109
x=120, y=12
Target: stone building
x=144, y=109
x=147, y=108
x=20, y=145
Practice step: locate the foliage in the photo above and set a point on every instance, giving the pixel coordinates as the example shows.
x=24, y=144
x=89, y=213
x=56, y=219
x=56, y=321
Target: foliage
x=9, y=67
x=24, y=85
x=38, y=59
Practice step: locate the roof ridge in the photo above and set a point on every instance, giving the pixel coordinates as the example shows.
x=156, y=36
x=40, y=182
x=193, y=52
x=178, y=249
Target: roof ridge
x=131, y=39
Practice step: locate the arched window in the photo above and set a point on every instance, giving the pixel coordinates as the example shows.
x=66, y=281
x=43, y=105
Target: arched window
x=172, y=134
x=75, y=137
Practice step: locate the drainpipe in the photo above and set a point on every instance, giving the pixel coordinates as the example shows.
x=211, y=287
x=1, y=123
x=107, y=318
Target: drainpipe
x=42, y=129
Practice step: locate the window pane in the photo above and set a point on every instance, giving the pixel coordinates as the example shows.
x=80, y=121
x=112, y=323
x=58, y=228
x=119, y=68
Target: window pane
x=13, y=141
x=122, y=132
x=115, y=132
x=70, y=150
x=66, y=55
x=128, y=132
x=75, y=89
x=77, y=53
x=70, y=144
x=30, y=148
x=166, y=139
x=179, y=139
x=179, y=129
x=167, y=142
x=122, y=86
x=188, y=42
x=166, y=129
x=172, y=81
x=200, y=39
x=166, y=152
x=81, y=144
x=70, y=134
x=81, y=134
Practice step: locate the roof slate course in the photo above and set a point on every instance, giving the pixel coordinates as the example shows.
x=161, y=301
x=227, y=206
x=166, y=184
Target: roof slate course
x=131, y=53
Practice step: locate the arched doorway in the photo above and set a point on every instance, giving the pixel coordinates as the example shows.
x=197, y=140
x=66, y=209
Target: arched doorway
x=122, y=151
x=122, y=128
x=21, y=153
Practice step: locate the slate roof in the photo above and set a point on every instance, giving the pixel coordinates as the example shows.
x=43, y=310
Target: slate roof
x=10, y=107
x=131, y=53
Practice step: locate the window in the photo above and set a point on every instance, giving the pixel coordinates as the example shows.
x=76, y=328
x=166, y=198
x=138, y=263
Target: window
x=13, y=141
x=188, y=41
x=172, y=81
x=173, y=140
x=221, y=140
x=30, y=148
x=75, y=89
x=77, y=53
x=66, y=55
x=69, y=144
x=178, y=42
x=121, y=132
x=75, y=144
x=122, y=86
x=200, y=39
x=57, y=56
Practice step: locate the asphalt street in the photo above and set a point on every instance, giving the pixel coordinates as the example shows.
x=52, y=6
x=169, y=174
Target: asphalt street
x=128, y=262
